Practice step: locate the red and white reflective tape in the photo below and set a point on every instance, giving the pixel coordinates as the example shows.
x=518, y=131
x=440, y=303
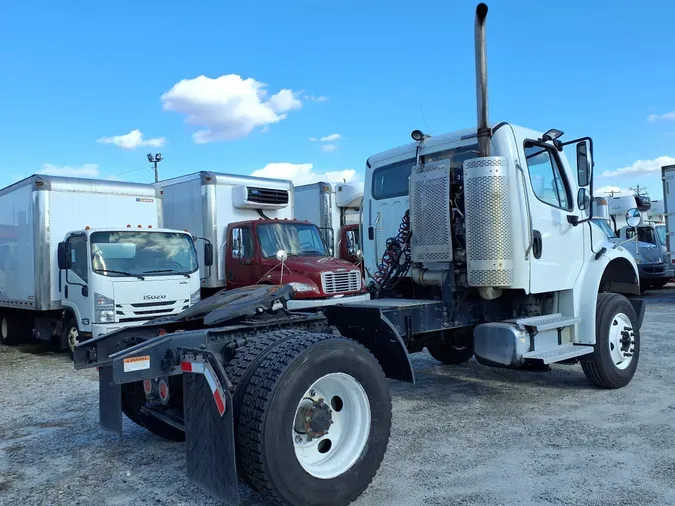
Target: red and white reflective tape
x=214, y=384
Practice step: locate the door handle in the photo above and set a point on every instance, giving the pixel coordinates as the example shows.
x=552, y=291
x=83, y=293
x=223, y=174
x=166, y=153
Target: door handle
x=537, y=244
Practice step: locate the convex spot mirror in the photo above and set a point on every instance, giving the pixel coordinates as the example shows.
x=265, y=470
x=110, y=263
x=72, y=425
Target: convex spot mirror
x=633, y=217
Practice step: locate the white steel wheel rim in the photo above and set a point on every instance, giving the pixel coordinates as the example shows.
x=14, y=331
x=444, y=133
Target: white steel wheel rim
x=621, y=341
x=4, y=328
x=334, y=453
x=73, y=338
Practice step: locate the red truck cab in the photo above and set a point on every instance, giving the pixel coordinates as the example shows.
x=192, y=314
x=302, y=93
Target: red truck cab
x=317, y=278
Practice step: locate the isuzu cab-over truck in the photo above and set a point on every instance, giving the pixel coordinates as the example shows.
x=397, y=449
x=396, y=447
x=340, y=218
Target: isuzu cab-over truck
x=473, y=260
x=256, y=240
x=82, y=257
x=335, y=208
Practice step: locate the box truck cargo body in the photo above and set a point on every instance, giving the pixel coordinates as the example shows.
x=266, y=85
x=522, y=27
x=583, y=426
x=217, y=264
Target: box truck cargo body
x=335, y=208
x=249, y=223
x=79, y=249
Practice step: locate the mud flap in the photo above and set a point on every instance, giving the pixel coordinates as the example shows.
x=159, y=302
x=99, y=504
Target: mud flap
x=109, y=401
x=209, y=435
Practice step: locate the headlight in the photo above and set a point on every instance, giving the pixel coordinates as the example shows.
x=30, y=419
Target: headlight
x=195, y=297
x=302, y=287
x=104, y=309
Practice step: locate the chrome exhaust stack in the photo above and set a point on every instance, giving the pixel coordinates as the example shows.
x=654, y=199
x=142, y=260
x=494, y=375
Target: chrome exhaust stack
x=481, y=81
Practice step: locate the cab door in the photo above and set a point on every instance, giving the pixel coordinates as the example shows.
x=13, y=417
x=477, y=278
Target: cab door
x=76, y=279
x=240, y=265
x=558, y=246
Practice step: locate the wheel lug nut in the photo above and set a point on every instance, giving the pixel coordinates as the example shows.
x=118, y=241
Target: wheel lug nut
x=298, y=439
x=312, y=393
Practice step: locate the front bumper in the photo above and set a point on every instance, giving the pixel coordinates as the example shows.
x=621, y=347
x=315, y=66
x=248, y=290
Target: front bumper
x=653, y=272
x=331, y=301
x=100, y=329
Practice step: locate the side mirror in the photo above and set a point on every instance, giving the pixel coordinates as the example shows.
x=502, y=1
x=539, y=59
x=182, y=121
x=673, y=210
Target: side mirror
x=583, y=199
x=208, y=254
x=282, y=256
x=633, y=217
x=62, y=256
x=584, y=164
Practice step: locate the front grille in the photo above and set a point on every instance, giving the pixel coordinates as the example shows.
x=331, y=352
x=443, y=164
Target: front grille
x=341, y=282
x=143, y=311
x=267, y=195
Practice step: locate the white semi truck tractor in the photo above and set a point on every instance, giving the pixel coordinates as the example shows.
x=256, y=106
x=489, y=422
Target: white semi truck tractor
x=82, y=257
x=469, y=259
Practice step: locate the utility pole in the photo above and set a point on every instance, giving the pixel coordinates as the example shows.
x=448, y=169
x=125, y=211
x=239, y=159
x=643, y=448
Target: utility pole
x=640, y=190
x=610, y=193
x=155, y=159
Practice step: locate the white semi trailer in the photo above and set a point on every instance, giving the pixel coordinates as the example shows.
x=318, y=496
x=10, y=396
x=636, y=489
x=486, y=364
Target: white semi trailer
x=668, y=177
x=335, y=208
x=83, y=257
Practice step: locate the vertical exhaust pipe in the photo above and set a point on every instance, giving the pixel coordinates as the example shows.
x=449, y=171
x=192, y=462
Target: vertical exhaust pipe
x=481, y=80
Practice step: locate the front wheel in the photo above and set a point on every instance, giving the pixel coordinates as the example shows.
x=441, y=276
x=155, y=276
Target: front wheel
x=617, y=343
x=314, y=421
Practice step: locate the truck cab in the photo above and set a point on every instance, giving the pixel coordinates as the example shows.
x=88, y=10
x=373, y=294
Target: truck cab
x=254, y=249
x=111, y=278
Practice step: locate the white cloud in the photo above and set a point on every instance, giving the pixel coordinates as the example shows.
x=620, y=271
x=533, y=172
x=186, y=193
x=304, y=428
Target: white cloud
x=607, y=190
x=666, y=116
x=329, y=148
x=89, y=170
x=641, y=167
x=304, y=173
x=320, y=98
x=228, y=107
x=327, y=138
x=132, y=140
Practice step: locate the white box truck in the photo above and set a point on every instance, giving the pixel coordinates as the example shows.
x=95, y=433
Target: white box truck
x=83, y=257
x=249, y=220
x=668, y=177
x=336, y=209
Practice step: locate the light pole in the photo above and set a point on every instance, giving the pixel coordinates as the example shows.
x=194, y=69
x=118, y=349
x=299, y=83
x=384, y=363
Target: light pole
x=155, y=159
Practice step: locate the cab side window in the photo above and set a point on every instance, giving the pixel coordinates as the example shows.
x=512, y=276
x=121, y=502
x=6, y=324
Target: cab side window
x=546, y=177
x=242, y=242
x=78, y=257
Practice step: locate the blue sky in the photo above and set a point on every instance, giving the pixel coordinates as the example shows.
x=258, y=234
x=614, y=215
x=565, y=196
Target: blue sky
x=78, y=75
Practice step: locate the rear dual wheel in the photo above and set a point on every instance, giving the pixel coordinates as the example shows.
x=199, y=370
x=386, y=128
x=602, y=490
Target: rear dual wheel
x=312, y=417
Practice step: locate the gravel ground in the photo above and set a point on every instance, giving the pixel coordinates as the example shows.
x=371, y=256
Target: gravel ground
x=466, y=435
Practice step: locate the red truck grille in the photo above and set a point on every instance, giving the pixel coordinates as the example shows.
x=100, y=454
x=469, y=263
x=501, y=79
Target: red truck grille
x=341, y=282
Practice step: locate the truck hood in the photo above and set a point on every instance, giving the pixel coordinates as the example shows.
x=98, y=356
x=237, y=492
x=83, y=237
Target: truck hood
x=315, y=264
x=648, y=252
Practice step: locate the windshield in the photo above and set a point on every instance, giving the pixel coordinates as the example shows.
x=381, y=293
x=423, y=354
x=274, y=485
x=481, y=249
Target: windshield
x=144, y=253
x=661, y=233
x=605, y=228
x=298, y=239
x=645, y=234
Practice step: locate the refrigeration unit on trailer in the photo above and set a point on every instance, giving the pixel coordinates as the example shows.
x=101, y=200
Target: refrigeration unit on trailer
x=82, y=257
x=249, y=221
x=335, y=208
x=481, y=243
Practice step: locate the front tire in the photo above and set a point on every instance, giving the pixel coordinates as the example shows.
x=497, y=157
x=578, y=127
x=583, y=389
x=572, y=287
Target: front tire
x=617, y=343
x=288, y=447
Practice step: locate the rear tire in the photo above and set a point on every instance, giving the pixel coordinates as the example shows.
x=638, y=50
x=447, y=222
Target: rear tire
x=332, y=468
x=617, y=350
x=11, y=330
x=449, y=354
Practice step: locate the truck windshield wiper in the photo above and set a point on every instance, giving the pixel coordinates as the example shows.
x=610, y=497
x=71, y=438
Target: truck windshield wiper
x=157, y=271
x=124, y=273
x=317, y=253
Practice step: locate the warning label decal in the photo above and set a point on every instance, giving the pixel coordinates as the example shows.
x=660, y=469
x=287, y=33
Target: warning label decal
x=136, y=363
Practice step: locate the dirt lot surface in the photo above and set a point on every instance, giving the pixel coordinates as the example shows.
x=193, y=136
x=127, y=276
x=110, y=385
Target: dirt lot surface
x=467, y=435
